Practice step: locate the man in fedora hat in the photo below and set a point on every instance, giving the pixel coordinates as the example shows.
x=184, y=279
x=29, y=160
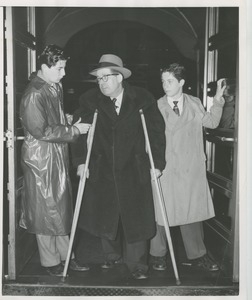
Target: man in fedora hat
x=118, y=197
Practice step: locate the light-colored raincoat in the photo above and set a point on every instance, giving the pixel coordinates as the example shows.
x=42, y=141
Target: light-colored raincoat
x=46, y=196
x=184, y=183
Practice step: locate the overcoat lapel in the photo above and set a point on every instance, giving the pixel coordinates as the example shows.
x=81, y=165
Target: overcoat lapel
x=128, y=106
x=106, y=105
x=174, y=122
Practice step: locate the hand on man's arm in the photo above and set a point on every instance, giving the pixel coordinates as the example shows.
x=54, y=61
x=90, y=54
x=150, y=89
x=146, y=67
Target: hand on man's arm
x=82, y=127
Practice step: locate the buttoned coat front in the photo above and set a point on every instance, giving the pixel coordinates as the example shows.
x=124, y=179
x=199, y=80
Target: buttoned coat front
x=119, y=183
x=184, y=183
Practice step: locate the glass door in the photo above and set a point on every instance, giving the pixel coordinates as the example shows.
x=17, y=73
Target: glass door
x=222, y=143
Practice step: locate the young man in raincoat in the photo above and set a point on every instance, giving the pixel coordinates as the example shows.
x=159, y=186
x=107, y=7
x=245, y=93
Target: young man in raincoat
x=46, y=197
x=184, y=183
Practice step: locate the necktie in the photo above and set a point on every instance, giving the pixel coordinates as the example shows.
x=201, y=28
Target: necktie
x=114, y=102
x=175, y=108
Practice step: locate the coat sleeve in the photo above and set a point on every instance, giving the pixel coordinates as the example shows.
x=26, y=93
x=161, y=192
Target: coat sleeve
x=212, y=118
x=34, y=119
x=156, y=130
x=79, y=148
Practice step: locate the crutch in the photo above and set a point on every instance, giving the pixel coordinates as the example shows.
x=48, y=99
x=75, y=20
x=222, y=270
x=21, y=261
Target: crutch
x=80, y=192
x=160, y=199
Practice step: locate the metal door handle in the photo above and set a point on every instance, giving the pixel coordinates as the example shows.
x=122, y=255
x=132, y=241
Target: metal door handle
x=225, y=139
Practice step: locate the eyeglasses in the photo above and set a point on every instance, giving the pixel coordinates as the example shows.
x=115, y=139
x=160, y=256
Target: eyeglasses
x=104, y=78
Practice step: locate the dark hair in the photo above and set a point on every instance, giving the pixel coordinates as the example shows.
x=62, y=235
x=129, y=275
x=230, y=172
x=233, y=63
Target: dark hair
x=176, y=69
x=51, y=55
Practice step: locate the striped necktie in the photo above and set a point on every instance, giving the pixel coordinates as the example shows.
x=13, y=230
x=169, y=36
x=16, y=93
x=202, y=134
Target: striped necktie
x=114, y=102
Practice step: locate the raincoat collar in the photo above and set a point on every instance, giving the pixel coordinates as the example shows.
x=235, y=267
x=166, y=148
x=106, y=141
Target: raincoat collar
x=188, y=113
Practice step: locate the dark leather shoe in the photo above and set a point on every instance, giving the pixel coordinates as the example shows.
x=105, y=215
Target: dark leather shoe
x=74, y=265
x=109, y=264
x=139, y=274
x=55, y=270
x=206, y=263
x=159, y=263
x=159, y=266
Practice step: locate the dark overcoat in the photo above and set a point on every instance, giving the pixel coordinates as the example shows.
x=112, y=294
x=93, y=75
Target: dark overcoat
x=119, y=183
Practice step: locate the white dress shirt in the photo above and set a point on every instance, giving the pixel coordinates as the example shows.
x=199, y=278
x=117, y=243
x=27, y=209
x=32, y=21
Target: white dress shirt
x=118, y=102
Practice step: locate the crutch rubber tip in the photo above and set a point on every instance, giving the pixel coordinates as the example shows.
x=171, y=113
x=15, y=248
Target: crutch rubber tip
x=178, y=282
x=63, y=279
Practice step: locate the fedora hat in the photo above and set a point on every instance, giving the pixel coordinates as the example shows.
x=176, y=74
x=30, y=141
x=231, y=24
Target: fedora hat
x=113, y=62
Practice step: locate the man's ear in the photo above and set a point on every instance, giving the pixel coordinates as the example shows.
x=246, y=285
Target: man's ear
x=44, y=67
x=119, y=78
x=182, y=82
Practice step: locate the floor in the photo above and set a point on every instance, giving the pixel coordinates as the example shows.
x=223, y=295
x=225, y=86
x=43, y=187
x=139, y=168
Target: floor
x=117, y=281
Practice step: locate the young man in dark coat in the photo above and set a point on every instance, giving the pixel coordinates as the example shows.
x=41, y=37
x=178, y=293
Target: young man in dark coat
x=46, y=207
x=118, y=199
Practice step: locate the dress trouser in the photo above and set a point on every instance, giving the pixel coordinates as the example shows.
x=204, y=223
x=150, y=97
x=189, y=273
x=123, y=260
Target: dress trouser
x=192, y=236
x=52, y=249
x=134, y=255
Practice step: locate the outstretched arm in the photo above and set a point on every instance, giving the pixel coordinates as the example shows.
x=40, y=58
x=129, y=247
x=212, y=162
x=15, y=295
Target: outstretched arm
x=212, y=119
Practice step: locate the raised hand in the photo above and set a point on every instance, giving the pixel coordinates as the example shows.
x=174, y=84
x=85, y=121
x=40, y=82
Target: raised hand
x=220, y=89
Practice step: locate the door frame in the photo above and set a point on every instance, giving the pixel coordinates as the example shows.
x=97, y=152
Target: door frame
x=10, y=144
x=210, y=75
x=2, y=138
x=27, y=41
